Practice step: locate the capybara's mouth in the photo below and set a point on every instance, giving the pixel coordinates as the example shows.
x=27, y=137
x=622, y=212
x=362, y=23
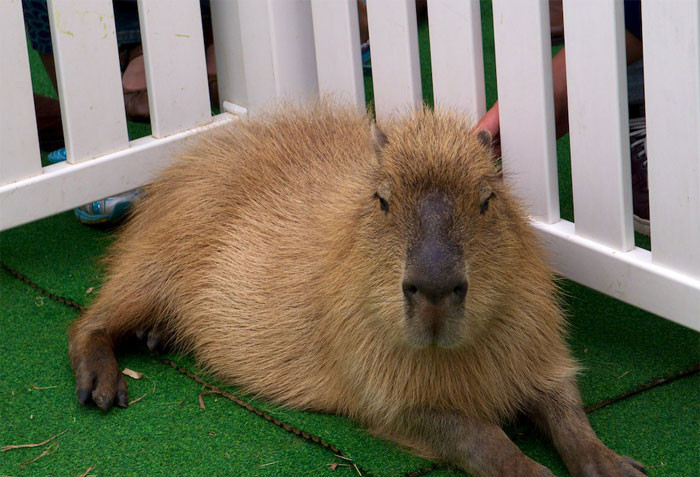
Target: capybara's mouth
x=433, y=325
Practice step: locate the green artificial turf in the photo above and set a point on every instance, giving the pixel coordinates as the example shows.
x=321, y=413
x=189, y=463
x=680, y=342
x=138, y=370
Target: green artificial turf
x=167, y=432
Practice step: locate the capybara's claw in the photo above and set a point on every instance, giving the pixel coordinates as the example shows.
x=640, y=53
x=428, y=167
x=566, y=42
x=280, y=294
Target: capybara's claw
x=637, y=466
x=122, y=399
x=610, y=463
x=84, y=395
x=154, y=340
x=152, y=336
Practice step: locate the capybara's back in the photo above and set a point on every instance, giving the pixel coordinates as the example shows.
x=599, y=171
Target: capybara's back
x=324, y=264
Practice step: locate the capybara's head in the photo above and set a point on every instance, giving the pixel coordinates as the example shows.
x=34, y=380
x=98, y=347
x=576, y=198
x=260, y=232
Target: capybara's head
x=443, y=231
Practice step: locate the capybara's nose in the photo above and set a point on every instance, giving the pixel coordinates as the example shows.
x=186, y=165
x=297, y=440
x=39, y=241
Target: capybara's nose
x=449, y=290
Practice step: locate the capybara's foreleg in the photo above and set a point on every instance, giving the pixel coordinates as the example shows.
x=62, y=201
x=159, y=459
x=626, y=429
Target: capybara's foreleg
x=97, y=376
x=478, y=447
x=561, y=415
x=92, y=340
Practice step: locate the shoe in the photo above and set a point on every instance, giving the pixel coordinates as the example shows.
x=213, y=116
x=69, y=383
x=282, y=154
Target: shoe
x=640, y=184
x=111, y=210
x=366, y=58
x=48, y=122
x=59, y=155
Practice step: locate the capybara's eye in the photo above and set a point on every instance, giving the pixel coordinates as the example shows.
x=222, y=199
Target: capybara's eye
x=485, y=204
x=383, y=204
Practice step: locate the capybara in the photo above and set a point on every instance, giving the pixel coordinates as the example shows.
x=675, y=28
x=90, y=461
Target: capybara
x=387, y=275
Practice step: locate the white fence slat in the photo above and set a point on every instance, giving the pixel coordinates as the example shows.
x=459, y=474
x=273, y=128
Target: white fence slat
x=256, y=54
x=671, y=33
x=293, y=52
x=176, y=71
x=89, y=80
x=277, y=50
x=19, y=142
x=599, y=131
x=64, y=186
x=338, y=55
x=526, y=105
x=393, y=34
x=230, y=74
x=456, y=56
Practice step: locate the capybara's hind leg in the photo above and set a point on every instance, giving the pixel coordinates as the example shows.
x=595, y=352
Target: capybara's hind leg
x=92, y=341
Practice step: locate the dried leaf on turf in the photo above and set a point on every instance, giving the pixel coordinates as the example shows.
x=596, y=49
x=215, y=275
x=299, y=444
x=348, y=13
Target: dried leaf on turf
x=132, y=374
x=22, y=446
x=137, y=399
x=53, y=447
x=84, y=474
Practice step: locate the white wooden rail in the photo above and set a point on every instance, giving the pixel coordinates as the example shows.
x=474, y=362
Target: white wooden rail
x=298, y=49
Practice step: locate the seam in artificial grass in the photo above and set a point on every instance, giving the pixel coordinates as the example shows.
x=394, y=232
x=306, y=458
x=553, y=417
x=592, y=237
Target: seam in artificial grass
x=208, y=388
x=643, y=387
x=287, y=427
x=62, y=300
x=299, y=432
x=211, y=388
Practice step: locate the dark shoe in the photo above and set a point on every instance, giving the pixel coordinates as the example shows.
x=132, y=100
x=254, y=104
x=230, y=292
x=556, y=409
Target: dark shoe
x=48, y=122
x=136, y=104
x=640, y=184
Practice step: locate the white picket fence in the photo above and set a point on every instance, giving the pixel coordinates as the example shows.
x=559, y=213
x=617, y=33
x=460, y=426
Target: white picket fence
x=294, y=49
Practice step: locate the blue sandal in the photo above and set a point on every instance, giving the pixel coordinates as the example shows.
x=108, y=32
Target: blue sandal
x=110, y=210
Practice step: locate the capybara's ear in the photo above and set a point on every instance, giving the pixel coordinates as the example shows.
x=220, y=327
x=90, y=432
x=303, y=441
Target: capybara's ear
x=485, y=138
x=379, y=139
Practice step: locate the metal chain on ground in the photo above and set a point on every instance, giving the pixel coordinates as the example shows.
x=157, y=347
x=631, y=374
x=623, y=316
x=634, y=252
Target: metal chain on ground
x=246, y=405
x=643, y=387
x=211, y=388
x=43, y=291
x=311, y=437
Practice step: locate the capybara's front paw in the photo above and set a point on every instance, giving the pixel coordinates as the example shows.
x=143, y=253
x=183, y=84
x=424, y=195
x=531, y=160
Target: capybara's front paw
x=608, y=463
x=97, y=379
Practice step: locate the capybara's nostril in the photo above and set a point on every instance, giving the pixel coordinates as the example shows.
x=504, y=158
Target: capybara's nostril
x=409, y=290
x=454, y=290
x=460, y=291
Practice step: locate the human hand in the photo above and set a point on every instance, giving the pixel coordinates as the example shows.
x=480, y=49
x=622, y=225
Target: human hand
x=491, y=122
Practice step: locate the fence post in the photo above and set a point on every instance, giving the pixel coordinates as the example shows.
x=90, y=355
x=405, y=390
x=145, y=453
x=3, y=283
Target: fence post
x=19, y=142
x=671, y=32
x=599, y=131
x=338, y=56
x=456, y=56
x=89, y=81
x=393, y=32
x=526, y=106
x=277, y=51
x=173, y=50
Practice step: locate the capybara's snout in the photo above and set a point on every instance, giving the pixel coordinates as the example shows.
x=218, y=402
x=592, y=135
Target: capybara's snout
x=435, y=282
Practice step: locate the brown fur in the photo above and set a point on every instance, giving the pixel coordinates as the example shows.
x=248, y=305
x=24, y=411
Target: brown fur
x=264, y=252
